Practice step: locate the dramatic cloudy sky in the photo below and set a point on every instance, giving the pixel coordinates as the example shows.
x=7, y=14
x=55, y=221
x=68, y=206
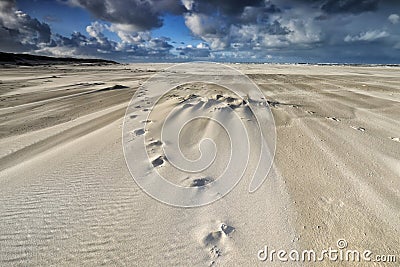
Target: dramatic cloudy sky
x=361, y=31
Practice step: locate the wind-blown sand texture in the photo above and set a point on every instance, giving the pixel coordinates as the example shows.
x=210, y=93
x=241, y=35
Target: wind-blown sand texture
x=68, y=199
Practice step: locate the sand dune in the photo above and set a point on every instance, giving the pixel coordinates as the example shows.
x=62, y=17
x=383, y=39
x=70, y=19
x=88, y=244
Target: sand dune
x=67, y=197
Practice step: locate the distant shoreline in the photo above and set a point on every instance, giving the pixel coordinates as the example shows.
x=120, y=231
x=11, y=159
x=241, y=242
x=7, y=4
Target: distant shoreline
x=36, y=60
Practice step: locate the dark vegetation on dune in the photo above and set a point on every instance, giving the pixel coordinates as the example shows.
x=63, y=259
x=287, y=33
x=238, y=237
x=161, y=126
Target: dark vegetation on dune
x=34, y=60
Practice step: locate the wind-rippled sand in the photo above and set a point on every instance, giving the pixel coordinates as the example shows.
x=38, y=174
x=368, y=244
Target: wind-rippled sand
x=67, y=198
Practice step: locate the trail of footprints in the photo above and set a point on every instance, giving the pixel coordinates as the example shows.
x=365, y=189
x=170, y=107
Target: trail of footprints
x=215, y=240
x=194, y=100
x=188, y=101
x=276, y=104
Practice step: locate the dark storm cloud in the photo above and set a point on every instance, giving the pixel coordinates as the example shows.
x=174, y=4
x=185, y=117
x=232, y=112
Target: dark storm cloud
x=262, y=25
x=275, y=28
x=227, y=7
x=139, y=14
x=145, y=15
x=350, y=6
x=257, y=14
x=343, y=6
x=239, y=12
x=19, y=31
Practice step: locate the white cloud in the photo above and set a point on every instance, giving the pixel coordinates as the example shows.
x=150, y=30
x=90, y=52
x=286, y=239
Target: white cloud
x=131, y=37
x=201, y=50
x=202, y=46
x=131, y=45
x=394, y=18
x=95, y=30
x=188, y=4
x=59, y=51
x=368, y=36
x=210, y=29
x=303, y=31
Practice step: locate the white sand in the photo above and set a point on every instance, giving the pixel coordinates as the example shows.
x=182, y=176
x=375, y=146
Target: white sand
x=67, y=197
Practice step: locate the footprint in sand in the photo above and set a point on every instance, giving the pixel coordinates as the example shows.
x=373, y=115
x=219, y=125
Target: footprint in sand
x=158, y=162
x=139, y=132
x=212, y=238
x=217, y=97
x=215, y=237
x=216, y=241
x=361, y=129
x=155, y=144
x=201, y=182
x=227, y=229
x=396, y=139
x=333, y=119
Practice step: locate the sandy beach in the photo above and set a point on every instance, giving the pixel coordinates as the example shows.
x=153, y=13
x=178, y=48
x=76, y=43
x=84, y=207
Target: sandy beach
x=67, y=197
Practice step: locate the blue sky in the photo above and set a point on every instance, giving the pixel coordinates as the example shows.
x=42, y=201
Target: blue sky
x=351, y=31
x=62, y=18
